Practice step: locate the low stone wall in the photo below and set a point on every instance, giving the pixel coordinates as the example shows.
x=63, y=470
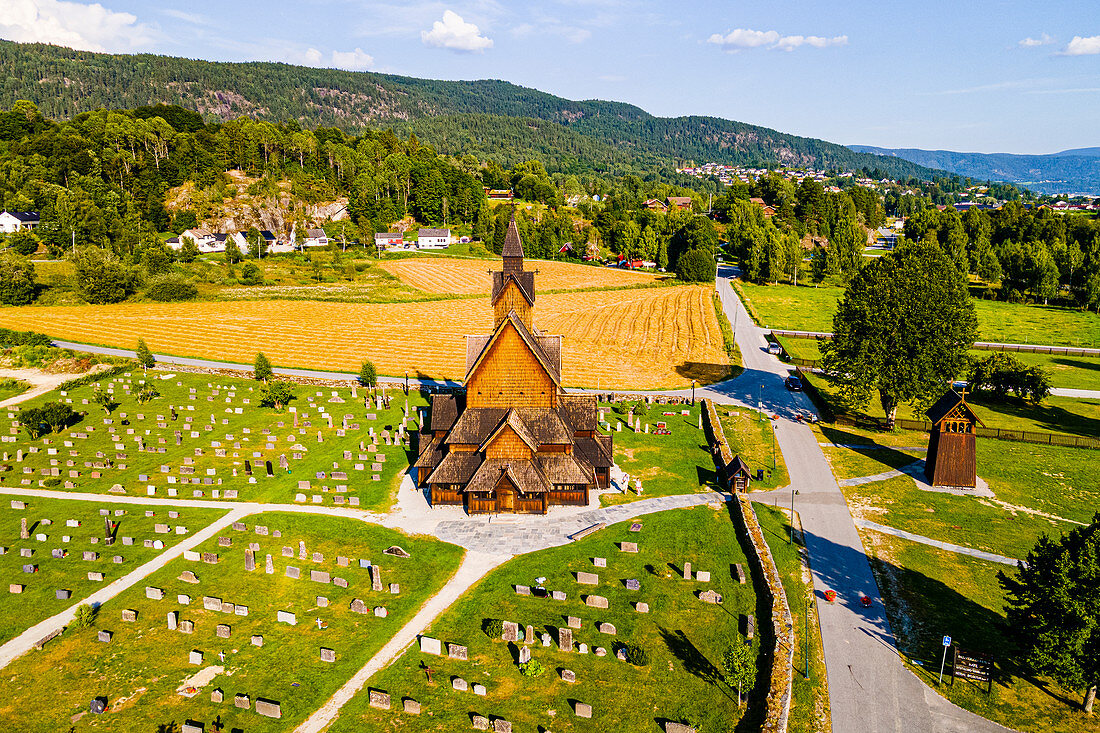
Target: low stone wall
x=777, y=704
x=716, y=439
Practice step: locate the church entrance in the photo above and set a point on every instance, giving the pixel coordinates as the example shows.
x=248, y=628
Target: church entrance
x=506, y=497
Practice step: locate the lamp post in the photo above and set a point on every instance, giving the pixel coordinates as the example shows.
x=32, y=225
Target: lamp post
x=693, y=393
x=406, y=382
x=790, y=538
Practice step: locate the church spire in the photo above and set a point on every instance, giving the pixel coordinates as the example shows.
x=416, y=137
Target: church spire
x=513, y=247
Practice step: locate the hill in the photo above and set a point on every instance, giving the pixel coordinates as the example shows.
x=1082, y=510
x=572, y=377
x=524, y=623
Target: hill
x=491, y=115
x=1070, y=171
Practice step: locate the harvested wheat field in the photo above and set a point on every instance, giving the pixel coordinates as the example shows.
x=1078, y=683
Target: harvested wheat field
x=471, y=277
x=637, y=339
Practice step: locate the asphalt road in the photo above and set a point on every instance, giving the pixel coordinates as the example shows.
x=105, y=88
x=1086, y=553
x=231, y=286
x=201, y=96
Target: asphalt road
x=870, y=689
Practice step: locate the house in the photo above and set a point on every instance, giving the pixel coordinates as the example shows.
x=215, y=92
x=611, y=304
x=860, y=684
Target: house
x=174, y=243
x=679, y=203
x=738, y=474
x=499, y=194
x=769, y=211
x=515, y=441
x=18, y=221
x=655, y=205
x=216, y=244
x=239, y=239
x=433, y=238
x=389, y=239
x=315, y=238
x=200, y=237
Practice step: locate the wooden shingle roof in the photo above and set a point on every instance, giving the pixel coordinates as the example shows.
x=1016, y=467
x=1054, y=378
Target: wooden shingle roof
x=579, y=410
x=445, y=409
x=552, y=366
x=944, y=406
x=513, y=246
x=738, y=466
x=456, y=468
x=525, y=280
x=562, y=468
x=513, y=421
x=525, y=475
x=593, y=452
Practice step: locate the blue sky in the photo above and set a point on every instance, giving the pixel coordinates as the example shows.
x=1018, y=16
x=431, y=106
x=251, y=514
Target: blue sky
x=1021, y=77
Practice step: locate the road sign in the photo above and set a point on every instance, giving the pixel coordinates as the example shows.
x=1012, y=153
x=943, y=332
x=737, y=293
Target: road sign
x=947, y=641
x=973, y=666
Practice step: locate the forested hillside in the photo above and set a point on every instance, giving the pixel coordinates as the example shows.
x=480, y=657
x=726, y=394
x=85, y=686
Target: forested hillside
x=597, y=136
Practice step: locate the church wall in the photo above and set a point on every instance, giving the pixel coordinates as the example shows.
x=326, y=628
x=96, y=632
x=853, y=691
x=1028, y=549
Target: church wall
x=510, y=376
x=512, y=300
x=508, y=445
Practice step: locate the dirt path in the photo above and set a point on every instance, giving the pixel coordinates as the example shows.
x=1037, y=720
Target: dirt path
x=40, y=382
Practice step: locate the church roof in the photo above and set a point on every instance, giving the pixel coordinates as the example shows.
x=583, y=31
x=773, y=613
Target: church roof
x=738, y=465
x=525, y=280
x=512, y=420
x=457, y=467
x=944, y=405
x=594, y=452
x=579, y=410
x=562, y=468
x=526, y=476
x=513, y=246
x=476, y=424
x=552, y=365
x=431, y=453
x=445, y=410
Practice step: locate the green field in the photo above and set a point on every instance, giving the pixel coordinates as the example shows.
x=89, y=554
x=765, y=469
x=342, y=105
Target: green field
x=810, y=701
x=141, y=668
x=684, y=638
x=810, y=308
x=1038, y=490
x=11, y=388
x=209, y=423
x=38, y=602
x=929, y=593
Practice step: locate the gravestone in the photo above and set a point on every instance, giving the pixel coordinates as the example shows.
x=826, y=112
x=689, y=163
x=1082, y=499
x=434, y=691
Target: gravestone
x=633, y=584
x=480, y=722
x=529, y=638
x=173, y=620
x=428, y=645
x=568, y=675
x=187, y=627
x=249, y=560
x=457, y=651
x=511, y=631
x=380, y=700
x=269, y=567
x=217, y=696
x=104, y=636
x=129, y=614
x=293, y=572
x=376, y=578
x=703, y=576
x=257, y=640
x=319, y=576
x=628, y=546
x=583, y=710
x=546, y=639
x=242, y=701
x=606, y=628
x=739, y=573
x=588, y=578
x=524, y=654
x=286, y=617
x=268, y=708
x=195, y=657
x=328, y=655
x=457, y=683
x=480, y=690
x=572, y=622
x=222, y=631
x=709, y=596
x=565, y=639
x=523, y=590
x=687, y=571
x=600, y=562
x=641, y=607
x=595, y=602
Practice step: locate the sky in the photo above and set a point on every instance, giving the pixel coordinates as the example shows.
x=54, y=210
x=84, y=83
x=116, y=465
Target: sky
x=995, y=76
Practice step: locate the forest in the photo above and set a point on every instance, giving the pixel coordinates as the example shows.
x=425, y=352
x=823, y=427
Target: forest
x=486, y=117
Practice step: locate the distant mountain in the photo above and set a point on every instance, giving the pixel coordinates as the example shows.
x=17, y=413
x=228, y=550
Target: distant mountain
x=505, y=121
x=1070, y=171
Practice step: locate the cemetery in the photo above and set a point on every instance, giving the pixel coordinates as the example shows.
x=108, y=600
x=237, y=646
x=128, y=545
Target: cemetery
x=671, y=608
x=253, y=629
x=73, y=548
x=208, y=437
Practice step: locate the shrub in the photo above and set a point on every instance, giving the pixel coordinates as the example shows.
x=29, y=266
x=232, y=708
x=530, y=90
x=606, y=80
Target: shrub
x=696, y=266
x=999, y=374
x=276, y=394
x=189, y=251
x=24, y=243
x=23, y=338
x=261, y=368
x=16, y=280
x=85, y=616
x=251, y=274
x=531, y=669
x=171, y=289
x=636, y=655
x=368, y=374
x=147, y=394
x=101, y=278
x=144, y=355
x=493, y=627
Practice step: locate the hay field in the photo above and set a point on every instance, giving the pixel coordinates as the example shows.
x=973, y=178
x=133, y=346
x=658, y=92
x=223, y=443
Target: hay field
x=471, y=277
x=639, y=339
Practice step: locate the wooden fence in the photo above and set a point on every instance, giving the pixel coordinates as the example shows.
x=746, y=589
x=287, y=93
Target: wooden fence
x=978, y=345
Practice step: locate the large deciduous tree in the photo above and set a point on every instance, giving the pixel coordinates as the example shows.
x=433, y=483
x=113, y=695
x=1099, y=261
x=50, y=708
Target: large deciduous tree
x=903, y=327
x=1054, y=609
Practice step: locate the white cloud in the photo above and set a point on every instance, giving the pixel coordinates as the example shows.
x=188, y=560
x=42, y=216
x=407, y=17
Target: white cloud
x=1042, y=40
x=356, y=60
x=456, y=34
x=740, y=39
x=193, y=18
x=89, y=27
x=1083, y=46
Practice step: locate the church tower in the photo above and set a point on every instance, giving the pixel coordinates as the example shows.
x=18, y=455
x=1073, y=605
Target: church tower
x=514, y=288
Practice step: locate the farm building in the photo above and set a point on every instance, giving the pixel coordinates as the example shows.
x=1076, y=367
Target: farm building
x=433, y=238
x=515, y=442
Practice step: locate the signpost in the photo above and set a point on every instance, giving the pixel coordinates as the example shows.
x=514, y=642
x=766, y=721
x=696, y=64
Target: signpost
x=946, y=643
x=973, y=666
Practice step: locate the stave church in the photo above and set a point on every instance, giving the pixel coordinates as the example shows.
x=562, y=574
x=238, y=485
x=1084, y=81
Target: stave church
x=514, y=441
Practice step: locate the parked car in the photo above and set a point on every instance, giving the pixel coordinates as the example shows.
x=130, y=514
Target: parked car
x=774, y=348
x=793, y=383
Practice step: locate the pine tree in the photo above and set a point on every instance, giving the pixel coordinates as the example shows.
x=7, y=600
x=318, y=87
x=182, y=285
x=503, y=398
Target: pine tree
x=144, y=355
x=261, y=368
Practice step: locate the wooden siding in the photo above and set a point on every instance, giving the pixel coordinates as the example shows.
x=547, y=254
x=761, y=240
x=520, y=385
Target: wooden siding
x=445, y=497
x=511, y=299
x=568, y=498
x=508, y=445
x=951, y=459
x=510, y=376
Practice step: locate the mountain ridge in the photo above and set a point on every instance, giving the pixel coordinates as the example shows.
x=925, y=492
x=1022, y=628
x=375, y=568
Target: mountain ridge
x=64, y=82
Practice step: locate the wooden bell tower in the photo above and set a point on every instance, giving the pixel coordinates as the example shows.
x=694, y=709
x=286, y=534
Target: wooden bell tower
x=952, y=459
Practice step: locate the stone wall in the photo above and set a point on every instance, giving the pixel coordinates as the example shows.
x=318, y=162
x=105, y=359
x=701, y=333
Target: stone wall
x=716, y=439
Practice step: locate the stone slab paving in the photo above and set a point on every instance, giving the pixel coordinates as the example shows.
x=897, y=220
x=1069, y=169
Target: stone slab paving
x=531, y=533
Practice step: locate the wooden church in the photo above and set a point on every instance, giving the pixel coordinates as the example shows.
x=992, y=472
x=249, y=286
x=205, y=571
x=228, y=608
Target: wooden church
x=515, y=441
x=952, y=457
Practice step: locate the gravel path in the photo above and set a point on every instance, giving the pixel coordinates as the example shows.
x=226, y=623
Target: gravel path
x=959, y=549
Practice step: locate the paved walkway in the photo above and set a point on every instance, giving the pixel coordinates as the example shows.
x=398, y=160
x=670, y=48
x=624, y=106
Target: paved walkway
x=957, y=549
x=474, y=567
x=25, y=642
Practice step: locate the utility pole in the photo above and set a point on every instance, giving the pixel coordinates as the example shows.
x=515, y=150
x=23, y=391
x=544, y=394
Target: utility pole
x=74, y=242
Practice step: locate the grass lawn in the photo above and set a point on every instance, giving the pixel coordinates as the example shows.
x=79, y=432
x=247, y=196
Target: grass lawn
x=811, y=308
x=810, y=702
x=684, y=638
x=1054, y=414
x=1067, y=372
x=38, y=602
x=930, y=593
x=11, y=388
x=145, y=662
x=666, y=464
x=753, y=439
x=240, y=436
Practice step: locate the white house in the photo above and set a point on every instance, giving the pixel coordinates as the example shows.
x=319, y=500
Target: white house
x=315, y=238
x=389, y=239
x=240, y=240
x=16, y=221
x=433, y=238
x=200, y=237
